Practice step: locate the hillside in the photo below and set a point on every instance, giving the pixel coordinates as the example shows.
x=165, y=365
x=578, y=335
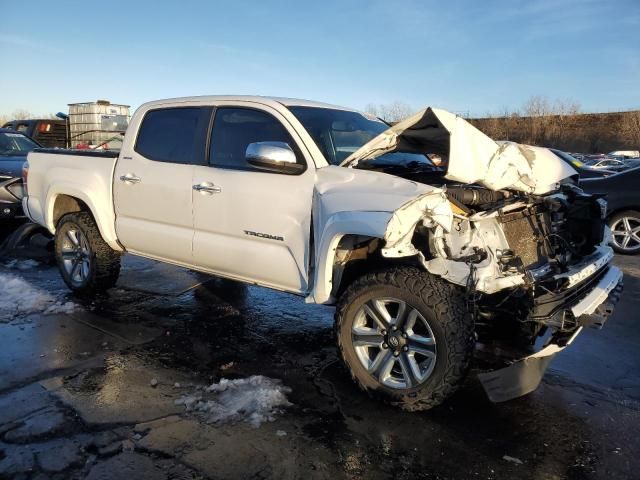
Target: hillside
x=584, y=133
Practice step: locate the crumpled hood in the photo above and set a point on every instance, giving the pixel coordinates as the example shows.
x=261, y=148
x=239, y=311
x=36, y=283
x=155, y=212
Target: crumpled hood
x=473, y=156
x=12, y=166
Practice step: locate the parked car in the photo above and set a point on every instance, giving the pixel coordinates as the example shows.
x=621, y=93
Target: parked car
x=422, y=262
x=632, y=162
x=14, y=147
x=47, y=132
x=624, y=154
x=580, y=166
x=610, y=164
x=623, y=199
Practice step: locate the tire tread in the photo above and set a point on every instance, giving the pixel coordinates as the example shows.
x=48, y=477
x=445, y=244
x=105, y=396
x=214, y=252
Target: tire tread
x=449, y=306
x=106, y=260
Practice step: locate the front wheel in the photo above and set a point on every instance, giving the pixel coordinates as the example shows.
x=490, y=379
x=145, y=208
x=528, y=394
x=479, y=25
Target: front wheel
x=87, y=264
x=625, y=230
x=406, y=336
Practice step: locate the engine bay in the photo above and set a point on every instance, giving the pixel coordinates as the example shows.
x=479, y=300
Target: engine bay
x=512, y=251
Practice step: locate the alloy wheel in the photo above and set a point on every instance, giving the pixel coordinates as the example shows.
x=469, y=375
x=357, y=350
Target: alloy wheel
x=394, y=343
x=626, y=233
x=76, y=255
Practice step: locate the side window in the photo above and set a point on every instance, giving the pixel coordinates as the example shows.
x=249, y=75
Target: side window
x=175, y=135
x=235, y=128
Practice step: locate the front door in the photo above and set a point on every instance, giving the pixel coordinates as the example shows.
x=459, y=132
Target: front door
x=153, y=183
x=250, y=224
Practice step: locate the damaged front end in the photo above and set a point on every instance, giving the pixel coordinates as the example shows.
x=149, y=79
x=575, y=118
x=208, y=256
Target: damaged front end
x=536, y=269
x=529, y=247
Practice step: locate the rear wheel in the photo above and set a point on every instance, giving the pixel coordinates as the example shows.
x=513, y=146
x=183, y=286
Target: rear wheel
x=625, y=228
x=87, y=264
x=405, y=336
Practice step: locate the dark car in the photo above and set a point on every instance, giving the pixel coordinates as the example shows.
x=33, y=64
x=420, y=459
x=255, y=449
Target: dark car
x=623, y=211
x=14, y=147
x=47, y=132
x=583, y=170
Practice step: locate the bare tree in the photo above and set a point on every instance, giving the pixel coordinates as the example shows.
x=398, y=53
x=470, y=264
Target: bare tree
x=630, y=128
x=395, y=111
x=21, y=114
x=390, y=112
x=371, y=109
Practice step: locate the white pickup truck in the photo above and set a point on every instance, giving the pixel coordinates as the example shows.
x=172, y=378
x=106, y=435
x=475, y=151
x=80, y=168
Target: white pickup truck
x=494, y=250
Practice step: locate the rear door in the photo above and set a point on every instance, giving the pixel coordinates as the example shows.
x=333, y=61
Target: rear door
x=250, y=224
x=153, y=182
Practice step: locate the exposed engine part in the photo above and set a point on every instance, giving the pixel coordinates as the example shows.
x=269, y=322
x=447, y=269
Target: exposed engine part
x=476, y=196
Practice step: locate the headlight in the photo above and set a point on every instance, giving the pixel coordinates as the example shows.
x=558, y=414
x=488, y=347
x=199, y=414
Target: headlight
x=603, y=207
x=16, y=190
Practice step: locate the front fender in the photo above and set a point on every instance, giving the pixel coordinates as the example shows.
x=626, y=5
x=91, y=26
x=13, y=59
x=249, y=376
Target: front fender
x=371, y=224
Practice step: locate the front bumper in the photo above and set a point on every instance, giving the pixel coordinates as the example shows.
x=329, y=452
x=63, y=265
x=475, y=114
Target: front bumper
x=587, y=286
x=588, y=303
x=597, y=306
x=523, y=376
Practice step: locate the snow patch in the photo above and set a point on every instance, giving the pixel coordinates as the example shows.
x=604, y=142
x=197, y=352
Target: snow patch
x=19, y=298
x=255, y=400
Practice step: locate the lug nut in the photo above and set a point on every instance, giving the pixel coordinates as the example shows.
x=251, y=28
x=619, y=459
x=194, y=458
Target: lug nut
x=405, y=348
x=395, y=354
x=394, y=328
x=384, y=332
x=384, y=345
x=404, y=335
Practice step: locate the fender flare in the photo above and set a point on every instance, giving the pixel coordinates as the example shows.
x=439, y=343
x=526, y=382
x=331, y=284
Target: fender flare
x=371, y=224
x=104, y=221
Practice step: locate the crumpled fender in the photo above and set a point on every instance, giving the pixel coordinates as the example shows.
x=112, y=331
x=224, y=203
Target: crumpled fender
x=395, y=228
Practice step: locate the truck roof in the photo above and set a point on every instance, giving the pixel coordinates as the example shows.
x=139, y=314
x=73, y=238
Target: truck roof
x=287, y=102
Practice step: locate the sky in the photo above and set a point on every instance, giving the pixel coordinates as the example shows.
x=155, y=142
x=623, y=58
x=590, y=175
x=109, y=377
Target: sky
x=474, y=57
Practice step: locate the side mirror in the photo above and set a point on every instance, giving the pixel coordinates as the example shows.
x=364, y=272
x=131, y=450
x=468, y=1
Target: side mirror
x=273, y=157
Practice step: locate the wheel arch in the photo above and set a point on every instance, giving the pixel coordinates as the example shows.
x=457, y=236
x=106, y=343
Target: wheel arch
x=347, y=248
x=69, y=200
x=622, y=209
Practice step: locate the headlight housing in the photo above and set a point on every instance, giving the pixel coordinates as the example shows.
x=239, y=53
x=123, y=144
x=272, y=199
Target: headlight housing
x=16, y=189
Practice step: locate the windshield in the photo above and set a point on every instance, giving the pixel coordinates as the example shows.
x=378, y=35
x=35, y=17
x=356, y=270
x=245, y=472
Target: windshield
x=12, y=144
x=339, y=133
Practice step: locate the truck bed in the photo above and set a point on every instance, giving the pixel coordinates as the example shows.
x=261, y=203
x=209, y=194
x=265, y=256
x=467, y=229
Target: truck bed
x=79, y=153
x=56, y=174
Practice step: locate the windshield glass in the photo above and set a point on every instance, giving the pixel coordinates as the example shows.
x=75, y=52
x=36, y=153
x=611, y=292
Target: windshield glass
x=12, y=144
x=339, y=133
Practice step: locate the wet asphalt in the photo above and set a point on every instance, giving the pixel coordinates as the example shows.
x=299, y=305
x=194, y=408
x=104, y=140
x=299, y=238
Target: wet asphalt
x=91, y=393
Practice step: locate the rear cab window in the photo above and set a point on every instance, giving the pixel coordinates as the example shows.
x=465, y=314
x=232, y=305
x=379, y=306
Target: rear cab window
x=174, y=135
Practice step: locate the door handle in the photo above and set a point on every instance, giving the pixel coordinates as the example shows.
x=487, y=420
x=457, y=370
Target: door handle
x=130, y=178
x=207, y=188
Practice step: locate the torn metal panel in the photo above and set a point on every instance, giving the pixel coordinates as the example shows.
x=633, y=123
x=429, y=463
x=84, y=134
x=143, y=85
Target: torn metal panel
x=431, y=209
x=473, y=156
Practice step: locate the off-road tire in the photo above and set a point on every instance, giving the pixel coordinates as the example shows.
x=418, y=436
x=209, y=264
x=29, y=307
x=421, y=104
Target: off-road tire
x=442, y=304
x=104, y=262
